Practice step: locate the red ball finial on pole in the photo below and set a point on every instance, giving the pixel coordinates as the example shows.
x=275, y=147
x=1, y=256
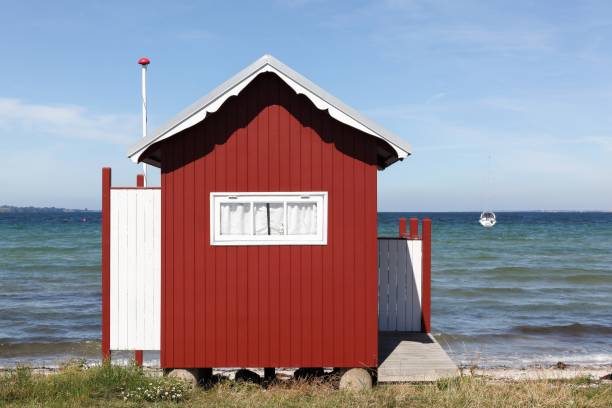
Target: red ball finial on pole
x=144, y=61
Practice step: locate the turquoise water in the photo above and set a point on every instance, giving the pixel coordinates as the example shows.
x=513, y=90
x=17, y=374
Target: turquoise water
x=535, y=289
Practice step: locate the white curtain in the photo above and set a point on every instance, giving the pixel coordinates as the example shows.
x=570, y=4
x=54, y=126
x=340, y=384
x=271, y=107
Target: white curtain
x=275, y=222
x=235, y=219
x=301, y=218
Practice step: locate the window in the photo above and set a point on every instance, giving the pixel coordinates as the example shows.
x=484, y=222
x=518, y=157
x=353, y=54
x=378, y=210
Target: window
x=268, y=218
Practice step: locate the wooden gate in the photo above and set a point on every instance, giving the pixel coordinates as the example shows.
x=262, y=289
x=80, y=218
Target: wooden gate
x=131, y=267
x=404, y=281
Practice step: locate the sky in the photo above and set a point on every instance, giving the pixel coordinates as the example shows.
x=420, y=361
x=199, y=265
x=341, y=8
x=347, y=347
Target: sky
x=507, y=104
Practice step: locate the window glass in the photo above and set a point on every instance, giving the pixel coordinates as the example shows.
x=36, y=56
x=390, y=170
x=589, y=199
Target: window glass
x=235, y=219
x=301, y=218
x=269, y=219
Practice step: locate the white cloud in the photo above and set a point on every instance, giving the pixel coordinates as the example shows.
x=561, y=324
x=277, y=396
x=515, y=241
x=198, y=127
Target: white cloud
x=66, y=121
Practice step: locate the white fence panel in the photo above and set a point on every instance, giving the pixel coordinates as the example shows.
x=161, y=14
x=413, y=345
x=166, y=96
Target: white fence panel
x=399, y=285
x=135, y=269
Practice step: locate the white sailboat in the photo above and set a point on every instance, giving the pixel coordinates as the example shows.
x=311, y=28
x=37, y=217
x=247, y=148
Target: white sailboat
x=487, y=218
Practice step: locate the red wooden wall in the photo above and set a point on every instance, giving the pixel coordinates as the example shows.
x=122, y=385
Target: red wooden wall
x=269, y=306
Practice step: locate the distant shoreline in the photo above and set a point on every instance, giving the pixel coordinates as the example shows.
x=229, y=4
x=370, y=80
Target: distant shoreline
x=10, y=209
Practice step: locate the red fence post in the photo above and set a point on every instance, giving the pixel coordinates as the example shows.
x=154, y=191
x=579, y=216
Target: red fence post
x=106, y=193
x=138, y=353
x=402, y=228
x=138, y=357
x=414, y=228
x=426, y=277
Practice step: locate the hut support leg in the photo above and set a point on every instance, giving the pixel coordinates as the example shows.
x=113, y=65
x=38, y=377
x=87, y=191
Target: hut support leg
x=269, y=373
x=205, y=374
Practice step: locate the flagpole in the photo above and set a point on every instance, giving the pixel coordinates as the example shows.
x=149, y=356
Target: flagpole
x=144, y=62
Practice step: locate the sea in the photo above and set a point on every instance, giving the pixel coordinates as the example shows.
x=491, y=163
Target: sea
x=534, y=290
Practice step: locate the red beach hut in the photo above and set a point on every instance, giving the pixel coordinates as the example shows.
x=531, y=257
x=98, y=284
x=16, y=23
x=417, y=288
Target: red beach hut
x=260, y=249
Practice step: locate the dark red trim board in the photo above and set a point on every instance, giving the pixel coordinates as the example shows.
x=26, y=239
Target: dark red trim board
x=140, y=181
x=106, y=186
x=414, y=228
x=426, y=277
x=138, y=358
x=402, y=228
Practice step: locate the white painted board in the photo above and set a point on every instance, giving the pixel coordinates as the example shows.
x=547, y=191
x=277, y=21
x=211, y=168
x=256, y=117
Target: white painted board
x=135, y=269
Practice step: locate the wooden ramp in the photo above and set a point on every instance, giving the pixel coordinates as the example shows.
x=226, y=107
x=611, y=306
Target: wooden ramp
x=410, y=356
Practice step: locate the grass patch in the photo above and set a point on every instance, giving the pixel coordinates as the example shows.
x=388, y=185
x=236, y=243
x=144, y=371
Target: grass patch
x=76, y=385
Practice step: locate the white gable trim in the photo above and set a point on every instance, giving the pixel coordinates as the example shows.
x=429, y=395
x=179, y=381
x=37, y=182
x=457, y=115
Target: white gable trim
x=212, y=102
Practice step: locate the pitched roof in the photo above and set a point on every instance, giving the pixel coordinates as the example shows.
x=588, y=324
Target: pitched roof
x=232, y=87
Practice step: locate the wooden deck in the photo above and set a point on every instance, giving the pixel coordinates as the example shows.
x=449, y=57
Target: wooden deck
x=412, y=357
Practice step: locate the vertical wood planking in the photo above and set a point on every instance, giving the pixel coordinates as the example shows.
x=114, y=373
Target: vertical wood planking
x=123, y=261
x=360, y=246
x=189, y=303
x=289, y=296
x=200, y=234
x=231, y=166
x=336, y=201
x=305, y=184
x=168, y=270
x=416, y=298
x=263, y=163
x=180, y=334
x=399, y=287
x=403, y=286
x=295, y=276
x=252, y=340
x=284, y=147
x=142, y=263
x=370, y=228
x=218, y=125
x=317, y=316
x=383, y=273
x=135, y=269
x=209, y=301
x=154, y=307
x=412, y=300
x=242, y=149
x=349, y=247
x=274, y=253
x=327, y=152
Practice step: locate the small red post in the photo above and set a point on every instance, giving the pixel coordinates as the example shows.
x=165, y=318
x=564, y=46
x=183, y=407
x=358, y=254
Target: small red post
x=138, y=353
x=426, y=277
x=414, y=228
x=140, y=180
x=106, y=193
x=138, y=357
x=402, y=228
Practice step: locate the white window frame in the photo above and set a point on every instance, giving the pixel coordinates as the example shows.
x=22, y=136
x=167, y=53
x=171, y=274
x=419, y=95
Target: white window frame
x=318, y=197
